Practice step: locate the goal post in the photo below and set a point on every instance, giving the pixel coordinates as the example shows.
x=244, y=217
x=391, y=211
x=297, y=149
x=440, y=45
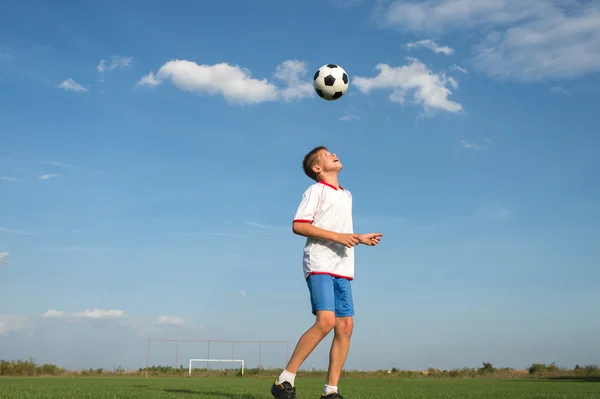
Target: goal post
x=216, y=360
x=254, y=353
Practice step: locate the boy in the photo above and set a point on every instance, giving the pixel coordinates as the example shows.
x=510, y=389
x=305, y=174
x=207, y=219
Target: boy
x=324, y=217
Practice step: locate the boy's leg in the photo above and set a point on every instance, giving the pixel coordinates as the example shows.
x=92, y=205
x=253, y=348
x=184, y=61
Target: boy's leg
x=321, y=288
x=324, y=323
x=344, y=324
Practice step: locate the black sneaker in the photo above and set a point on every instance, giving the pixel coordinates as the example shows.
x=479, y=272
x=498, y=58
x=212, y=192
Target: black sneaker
x=333, y=395
x=285, y=390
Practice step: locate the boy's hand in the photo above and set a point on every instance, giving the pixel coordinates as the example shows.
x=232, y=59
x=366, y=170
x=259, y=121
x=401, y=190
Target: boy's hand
x=370, y=239
x=348, y=240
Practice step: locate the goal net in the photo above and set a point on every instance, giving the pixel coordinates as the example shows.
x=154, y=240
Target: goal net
x=215, y=360
x=172, y=355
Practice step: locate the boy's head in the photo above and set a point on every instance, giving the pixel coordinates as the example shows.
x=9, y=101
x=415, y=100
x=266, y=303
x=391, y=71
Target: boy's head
x=319, y=161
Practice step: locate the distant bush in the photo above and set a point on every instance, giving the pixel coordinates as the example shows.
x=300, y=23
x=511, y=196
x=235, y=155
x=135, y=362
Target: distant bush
x=540, y=370
x=28, y=368
x=591, y=370
x=486, y=369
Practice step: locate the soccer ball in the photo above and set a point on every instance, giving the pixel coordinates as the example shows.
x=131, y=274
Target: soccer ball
x=330, y=82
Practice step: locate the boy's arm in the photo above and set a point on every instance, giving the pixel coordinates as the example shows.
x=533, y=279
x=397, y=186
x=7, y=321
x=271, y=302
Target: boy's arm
x=307, y=229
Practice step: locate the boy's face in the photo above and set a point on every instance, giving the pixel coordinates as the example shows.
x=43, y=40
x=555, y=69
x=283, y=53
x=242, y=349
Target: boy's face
x=326, y=162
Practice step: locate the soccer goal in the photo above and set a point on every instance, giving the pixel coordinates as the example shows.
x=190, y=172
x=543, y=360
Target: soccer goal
x=215, y=360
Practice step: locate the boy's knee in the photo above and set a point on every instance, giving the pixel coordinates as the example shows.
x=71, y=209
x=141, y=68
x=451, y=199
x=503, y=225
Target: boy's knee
x=326, y=321
x=344, y=326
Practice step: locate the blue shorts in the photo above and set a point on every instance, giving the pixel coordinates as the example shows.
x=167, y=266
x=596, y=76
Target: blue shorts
x=331, y=293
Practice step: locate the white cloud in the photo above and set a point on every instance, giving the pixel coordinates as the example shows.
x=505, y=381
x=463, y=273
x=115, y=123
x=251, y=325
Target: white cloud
x=428, y=89
x=26, y=161
x=466, y=144
x=293, y=74
x=560, y=90
x=494, y=212
x=475, y=146
x=266, y=226
x=524, y=39
x=88, y=314
x=3, y=258
x=552, y=46
x=346, y=3
x=170, y=321
x=438, y=16
x=15, y=231
x=431, y=45
x=11, y=179
x=48, y=176
x=193, y=233
x=12, y=322
x=243, y=293
x=234, y=83
x=83, y=249
x=116, y=62
x=149, y=80
x=350, y=117
x=71, y=85
x=92, y=318
x=230, y=81
x=459, y=69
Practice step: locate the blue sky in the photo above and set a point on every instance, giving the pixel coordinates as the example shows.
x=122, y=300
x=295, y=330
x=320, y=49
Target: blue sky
x=150, y=166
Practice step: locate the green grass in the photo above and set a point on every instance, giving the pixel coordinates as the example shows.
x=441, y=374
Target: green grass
x=258, y=388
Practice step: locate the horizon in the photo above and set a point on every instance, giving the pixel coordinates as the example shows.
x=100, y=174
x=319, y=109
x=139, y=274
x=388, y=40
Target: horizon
x=541, y=369
x=150, y=168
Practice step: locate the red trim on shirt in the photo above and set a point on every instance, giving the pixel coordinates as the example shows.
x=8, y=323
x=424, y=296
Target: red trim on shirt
x=302, y=221
x=330, y=185
x=330, y=274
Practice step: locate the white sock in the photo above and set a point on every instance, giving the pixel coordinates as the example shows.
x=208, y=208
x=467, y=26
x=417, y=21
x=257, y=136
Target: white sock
x=286, y=376
x=327, y=389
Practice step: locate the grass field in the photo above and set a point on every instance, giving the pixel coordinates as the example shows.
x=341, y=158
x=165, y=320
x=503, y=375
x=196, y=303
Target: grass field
x=257, y=388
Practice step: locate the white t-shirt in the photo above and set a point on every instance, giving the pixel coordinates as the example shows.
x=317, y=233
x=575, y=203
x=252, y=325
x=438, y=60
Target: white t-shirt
x=328, y=208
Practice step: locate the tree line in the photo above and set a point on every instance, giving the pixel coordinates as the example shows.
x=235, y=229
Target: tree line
x=29, y=368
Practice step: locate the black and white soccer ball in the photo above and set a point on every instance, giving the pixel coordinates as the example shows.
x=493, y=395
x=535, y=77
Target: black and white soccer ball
x=330, y=82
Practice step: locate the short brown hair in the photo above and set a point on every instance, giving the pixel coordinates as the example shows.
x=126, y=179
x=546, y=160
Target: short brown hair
x=309, y=161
